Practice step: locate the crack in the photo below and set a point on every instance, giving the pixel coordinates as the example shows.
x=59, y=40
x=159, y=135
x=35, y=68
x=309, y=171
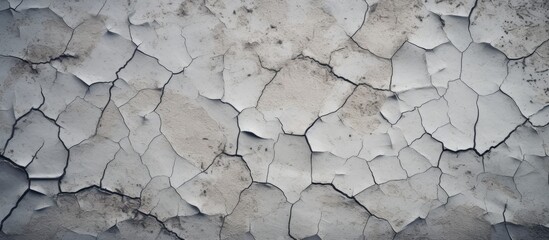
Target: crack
x=20, y=168
x=363, y=21
x=290, y=222
x=203, y=169
x=475, y=126
x=505, y=221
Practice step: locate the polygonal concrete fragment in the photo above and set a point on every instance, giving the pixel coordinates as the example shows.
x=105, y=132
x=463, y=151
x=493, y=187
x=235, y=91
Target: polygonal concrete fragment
x=410, y=126
x=143, y=72
x=21, y=85
x=210, y=126
x=409, y=69
x=498, y=117
x=389, y=23
x=356, y=124
x=141, y=119
x=515, y=28
x=290, y=169
x=401, y=202
x=164, y=42
x=527, y=82
x=484, y=68
x=324, y=166
x=329, y=134
x=353, y=177
x=162, y=160
x=252, y=121
x=22, y=215
x=431, y=117
x=387, y=169
x=285, y=100
x=78, y=122
x=373, y=70
x=48, y=187
x=135, y=174
x=457, y=30
x=378, y=229
x=526, y=141
x=13, y=184
x=116, y=14
x=459, y=171
x=530, y=179
x=87, y=162
x=443, y=65
x=493, y=192
x=377, y=145
x=60, y=92
x=428, y=34
x=28, y=34
x=206, y=73
x=258, y=154
x=111, y=124
x=244, y=78
x=161, y=199
x=324, y=212
x=96, y=55
x=391, y=109
x=502, y=161
x=411, y=99
x=413, y=162
x=262, y=212
x=203, y=30
x=361, y=111
x=122, y=92
x=349, y=176
x=217, y=189
x=459, y=133
x=98, y=94
x=429, y=148
x=35, y=145
x=330, y=36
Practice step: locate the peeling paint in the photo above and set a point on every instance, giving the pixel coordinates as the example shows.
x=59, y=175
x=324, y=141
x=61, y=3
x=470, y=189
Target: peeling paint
x=178, y=119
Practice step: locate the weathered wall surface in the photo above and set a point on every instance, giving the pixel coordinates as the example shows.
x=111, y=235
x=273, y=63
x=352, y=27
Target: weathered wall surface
x=274, y=119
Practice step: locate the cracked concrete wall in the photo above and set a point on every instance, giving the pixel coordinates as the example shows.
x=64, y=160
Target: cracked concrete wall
x=274, y=119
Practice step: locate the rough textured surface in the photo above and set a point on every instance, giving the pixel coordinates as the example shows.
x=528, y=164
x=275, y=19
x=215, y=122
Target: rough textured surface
x=262, y=119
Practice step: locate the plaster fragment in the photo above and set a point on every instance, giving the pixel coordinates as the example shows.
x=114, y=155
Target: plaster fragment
x=13, y=185
x=262, y=212
x=323, y=212
x=26, y=34
x=217, y=189
x=36, y=147
x=290, y=169
x=401, y=202
x=515, y=28
x=283, y=98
